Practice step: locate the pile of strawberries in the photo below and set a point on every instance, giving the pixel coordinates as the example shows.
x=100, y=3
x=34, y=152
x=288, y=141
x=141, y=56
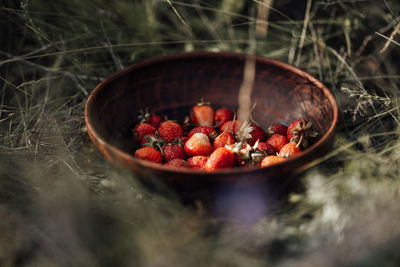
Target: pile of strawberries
x=212, y=139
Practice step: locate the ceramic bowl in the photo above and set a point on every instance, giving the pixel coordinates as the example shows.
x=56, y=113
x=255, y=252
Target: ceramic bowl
x=172, y=84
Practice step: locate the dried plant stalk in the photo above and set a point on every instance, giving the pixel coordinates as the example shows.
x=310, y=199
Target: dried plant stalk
x=244, y=98
x=246, y=88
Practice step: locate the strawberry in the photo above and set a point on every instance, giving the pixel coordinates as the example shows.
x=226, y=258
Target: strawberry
x=270, y=160
x=207, y=130
x=176, y=163
x=146, y=116
x=266, y=148
x=231, y=126
x=222, y=115
x=219, y=159
x=183, y=140
x=257, y=134
x=277, y=128
x=198, y=144
x=225, y=138
x=202, y=114
x=289, y=150
x=300, y=131
x=155, y=120
x=197, y=162
x=173, y=151
x=143, y=129
x=150, y=154
x=277, y=141
x=241, y=162
x=291, y=132
x=170, y=130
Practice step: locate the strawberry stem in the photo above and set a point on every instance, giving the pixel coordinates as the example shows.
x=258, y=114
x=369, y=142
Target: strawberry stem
x=300, y=140
x=203, y=103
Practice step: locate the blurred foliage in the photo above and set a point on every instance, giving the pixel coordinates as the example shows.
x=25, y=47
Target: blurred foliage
x=62, y=205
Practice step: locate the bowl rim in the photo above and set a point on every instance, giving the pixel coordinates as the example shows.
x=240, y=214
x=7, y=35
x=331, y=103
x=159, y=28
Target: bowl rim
x=97, y=138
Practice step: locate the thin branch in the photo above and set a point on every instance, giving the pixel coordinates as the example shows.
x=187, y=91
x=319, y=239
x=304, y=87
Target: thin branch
x=66, y=73
x=88, y=49
x=303, y=32
x=244, y=97
x=187, y=27
x=262, y=18
x=395, y=31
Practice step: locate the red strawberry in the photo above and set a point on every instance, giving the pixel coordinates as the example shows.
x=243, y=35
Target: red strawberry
x=183, y=140
x=277, y=141
x=198, y=144
x=241, y=162
x=226, y=138
x=173, y=151
x=270, y=160
x=221, y=158
x=257, y=134
x=231, y=126
x=197, y=162
x=176, y=163
x=143, y=129
x=207, y=130
x=202, y=114
x=289, y=150
x=290, y=132
x=149, y=153
x=222, y=115
x=277, y=128
x=300, y=131
x=146, y=116
x=266, y=148
x=169, y=130
x=155, y=120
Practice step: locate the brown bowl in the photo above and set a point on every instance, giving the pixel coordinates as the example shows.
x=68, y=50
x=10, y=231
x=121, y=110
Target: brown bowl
x=172, y=84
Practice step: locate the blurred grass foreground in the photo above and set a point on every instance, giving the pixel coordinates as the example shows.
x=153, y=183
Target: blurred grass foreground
x=61, y=204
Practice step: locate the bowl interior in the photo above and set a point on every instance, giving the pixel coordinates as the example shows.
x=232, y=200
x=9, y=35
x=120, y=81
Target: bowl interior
x=172, y=85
